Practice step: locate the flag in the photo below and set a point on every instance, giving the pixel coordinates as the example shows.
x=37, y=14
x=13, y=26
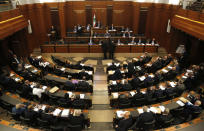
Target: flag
x=29, y=27
x=168, y=27
x=94, y=20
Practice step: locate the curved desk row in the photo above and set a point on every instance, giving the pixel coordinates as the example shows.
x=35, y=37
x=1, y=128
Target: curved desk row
x=85, y=48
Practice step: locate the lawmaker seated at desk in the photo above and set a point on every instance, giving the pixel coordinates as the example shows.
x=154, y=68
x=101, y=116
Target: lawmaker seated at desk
x=125, y=122
x=191, y=109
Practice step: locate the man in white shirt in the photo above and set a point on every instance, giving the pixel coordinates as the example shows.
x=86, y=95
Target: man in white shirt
x=38, y=91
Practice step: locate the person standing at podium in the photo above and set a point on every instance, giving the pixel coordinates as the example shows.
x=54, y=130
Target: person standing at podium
x=104, y=45
x=111, y=49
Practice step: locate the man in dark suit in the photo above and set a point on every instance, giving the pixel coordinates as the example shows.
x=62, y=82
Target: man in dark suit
x=125, y=123
x=104, y=45
x=29, y=113
x=135, y=81
x=83, y=85
x=144, y=117
x=46, y=115
x=76, y=118
x=190, y=109
x=158, y=92
x=112, y=47
x=138, y=95
x=164, y=117
x=68, y=85
x=112, y=67
x=131, y=69
x=26, y=89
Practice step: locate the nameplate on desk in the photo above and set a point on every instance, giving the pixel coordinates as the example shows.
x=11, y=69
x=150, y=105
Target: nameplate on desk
x=54, y=89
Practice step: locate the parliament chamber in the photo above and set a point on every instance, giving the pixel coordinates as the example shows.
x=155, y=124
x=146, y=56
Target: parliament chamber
x=101, y=65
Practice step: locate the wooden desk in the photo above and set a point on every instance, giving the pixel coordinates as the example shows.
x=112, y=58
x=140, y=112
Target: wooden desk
x=79, y=48
x=50, y=48
x=61, y=48
x=95, y=49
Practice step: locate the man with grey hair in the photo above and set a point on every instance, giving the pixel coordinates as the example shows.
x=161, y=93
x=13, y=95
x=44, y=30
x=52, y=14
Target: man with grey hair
x=144, y=117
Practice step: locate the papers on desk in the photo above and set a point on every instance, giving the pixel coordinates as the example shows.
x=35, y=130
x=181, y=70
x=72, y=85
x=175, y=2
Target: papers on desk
x=36, y=109
x=82, y=64
x=120, y=114
x=143, y=92
x=62, y=69
x=115, y=95
x=132, y=93
x=189, y=71
x=152, y=76
x=170, y=67
x=39, y=57
x=173, y=84
x=111, y=72
x=43, y=107
x=89, y=72
x=140, y=111
x=153, y=109
x=54, y=89
x=109, y=64
x=17, y=79
x=65, y=113
x=27, y=66
x=138, y=67
x=149, y=64
x=57, y=112
x=142, y=78
x=114, y=83
x=11, y=74
x=184, y=77
x=164, y=70
x=162, y=87
x=35, y=70
x=156, y=44
x=82, y=96
x=44, y=87
x=70, y=93
x=162, y=108
x=117, y=64
x=122, y=71
x=33, y=85
x=180, y=103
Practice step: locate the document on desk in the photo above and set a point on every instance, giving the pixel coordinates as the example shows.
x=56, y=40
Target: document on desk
x=162, y=108
x=114, y=83
x=132, y=93
x=115, y=95
x=82, y=96
x=180, y=103
x=70, y=93
x=164, y=70
x=57, y=112
x=65, y=113
x=120, y=114
x=153, y=109
x=142, y=78
x=173, y=84
x=140, y=111
x=54, y=89
x=43, y=107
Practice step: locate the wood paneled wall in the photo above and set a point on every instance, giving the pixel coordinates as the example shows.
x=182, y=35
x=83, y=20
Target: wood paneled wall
x=124, y=13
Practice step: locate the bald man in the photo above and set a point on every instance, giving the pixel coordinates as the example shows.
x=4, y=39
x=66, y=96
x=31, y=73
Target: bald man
x=125, y=123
